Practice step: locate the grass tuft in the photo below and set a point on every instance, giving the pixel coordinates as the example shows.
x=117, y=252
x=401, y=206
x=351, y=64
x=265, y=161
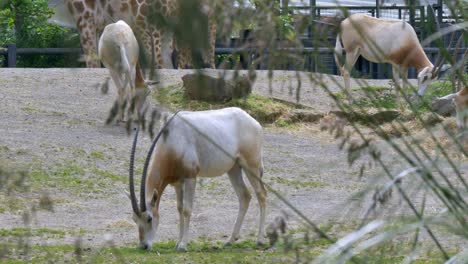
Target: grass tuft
x=264, y=109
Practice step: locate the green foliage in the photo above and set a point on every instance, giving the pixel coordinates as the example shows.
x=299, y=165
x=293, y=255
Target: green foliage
x=24, y=23
x=379, y=97
x=7, y=25
x=384, y=97
x=229, y=60
x=285, y=26
x=437, y=89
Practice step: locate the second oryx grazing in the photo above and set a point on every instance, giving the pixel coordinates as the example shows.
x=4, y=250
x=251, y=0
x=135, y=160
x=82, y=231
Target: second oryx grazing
x=460, y=99
x=199, y=144
x=383, y=41
x=118, y=51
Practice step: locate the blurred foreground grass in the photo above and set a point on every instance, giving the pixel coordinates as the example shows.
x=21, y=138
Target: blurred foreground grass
x=203, y=251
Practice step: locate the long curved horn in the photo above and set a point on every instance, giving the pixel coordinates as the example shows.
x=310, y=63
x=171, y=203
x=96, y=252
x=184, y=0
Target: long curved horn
x=131, y=183
x=441, y=58
x=145, y=168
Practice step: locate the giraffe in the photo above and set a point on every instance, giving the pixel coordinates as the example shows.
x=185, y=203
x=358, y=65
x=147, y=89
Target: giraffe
x=92, y=16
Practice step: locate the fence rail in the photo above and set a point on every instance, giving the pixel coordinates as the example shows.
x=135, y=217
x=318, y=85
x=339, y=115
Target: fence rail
x=11, y=52
x=314, y=59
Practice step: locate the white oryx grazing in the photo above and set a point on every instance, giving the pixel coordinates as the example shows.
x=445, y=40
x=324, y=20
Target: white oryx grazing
x=118, y=50
x=460, y=99
x=383, y=41
x=199, y=144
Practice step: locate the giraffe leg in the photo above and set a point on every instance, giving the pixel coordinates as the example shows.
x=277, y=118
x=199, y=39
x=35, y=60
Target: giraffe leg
x=210, y=53
x=166, y=49
x=88, y=36
x=184, y=58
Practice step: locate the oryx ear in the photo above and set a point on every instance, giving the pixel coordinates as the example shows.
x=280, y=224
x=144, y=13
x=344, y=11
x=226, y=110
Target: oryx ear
x=154, y=198
x=423, y=72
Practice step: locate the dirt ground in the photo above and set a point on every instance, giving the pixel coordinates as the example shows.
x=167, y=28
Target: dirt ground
x=51, y=118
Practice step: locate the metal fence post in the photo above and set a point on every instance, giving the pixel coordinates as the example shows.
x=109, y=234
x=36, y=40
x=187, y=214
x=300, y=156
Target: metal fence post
x=412, y=12
x=11, y=55
x=377, y=8
x=312, y=16
x=439, y=10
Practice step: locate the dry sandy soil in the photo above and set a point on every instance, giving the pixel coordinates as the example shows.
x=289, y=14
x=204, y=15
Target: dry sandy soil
x=53, y=119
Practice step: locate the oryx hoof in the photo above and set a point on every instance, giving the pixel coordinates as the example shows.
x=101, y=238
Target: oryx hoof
x=228, y=244
x=231, y=241
x=181, y=247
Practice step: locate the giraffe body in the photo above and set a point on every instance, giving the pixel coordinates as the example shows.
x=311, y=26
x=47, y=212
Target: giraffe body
x=90, y=18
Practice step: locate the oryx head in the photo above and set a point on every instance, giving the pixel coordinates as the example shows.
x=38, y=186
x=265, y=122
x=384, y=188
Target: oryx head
x=147, y=220
x=425, y=77
x=429, y=74
x=461, y=105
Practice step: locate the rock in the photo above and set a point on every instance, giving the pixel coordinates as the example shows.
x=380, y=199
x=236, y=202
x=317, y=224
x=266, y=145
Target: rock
x=442, y=106
x=431, y=119
x=306, y=115
x=371, y=115
x=381, y=117
x=208, y=88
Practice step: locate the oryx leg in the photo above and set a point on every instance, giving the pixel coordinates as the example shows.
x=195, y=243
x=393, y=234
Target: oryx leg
x=399, y=91
x=189, y=185
x=396, y=77
x=120, y=86
x=254, y=174
x=462, y=116
x=180, y=206
x=243, y=194
x=404, y=79
x=351, y=58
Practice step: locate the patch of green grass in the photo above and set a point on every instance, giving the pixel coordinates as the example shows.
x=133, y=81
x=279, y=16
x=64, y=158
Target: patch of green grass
x=4, y=148
x=264, y=109
x=97, y=155
x=373, y=96
x=55, y=113
x=76, y=151
x=299, y=184
x=33, y=232
x=65, y=176
x=204, y=251
x=385, y=97
x=21, y=152
x=436, y=89
x=104, y=174
x=72, y=176
x=29, y=109
x=162, y=252
x=11, y=203
x=283, y=123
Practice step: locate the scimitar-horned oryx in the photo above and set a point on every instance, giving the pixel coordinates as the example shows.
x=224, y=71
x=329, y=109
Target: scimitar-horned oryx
x=199, y=144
